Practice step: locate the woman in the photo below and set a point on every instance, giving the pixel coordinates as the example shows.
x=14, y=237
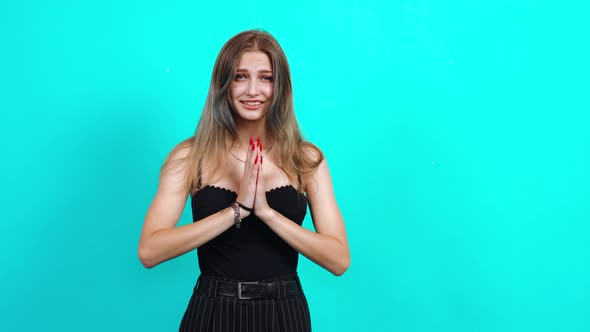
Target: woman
x=250, y=176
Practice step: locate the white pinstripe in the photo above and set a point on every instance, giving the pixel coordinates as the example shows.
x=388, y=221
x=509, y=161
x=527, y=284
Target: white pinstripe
x=294, y=314
x=194, y=317
x=188, y=313
x=213, y=312
x=273, y=315
x=301, y=312
x=284, y=320
x=266, y=314
x=260, y=317
x=240, y=306
x=200, y=315
x=292, y=301
x=203, y=316
x=292, y=319
x=227, y=315
x=307, y=313
x=253, y=314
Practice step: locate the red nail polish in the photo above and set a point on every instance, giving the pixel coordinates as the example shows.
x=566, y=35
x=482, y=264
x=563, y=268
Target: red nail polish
x=251, y=140
x=258, y=140
x=252, y=147
x=255, y=160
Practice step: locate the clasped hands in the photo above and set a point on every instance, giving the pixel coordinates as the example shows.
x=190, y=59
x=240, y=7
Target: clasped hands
x=251, y=192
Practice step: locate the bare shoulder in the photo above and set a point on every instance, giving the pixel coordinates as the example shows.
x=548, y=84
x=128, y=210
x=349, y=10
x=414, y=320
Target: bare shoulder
x=174, y=169
x=180, y=152
x=312, y=153
x=318, y=174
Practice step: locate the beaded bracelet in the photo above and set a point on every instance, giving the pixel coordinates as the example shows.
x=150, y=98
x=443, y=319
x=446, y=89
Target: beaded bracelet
x=237, y=219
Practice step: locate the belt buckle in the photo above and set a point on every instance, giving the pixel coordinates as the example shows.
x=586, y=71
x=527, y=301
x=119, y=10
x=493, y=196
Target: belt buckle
x=240, y=296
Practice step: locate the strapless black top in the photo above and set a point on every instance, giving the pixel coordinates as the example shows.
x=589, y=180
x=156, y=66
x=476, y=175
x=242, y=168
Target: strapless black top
x=253, y=251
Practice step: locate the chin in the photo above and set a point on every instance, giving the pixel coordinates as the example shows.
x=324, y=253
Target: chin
x=248, y=115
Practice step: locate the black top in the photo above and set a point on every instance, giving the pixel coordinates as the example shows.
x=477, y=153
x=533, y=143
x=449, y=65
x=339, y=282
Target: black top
x=253, y=251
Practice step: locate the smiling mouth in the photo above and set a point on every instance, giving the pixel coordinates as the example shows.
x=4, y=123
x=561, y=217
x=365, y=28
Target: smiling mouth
x=251, y=103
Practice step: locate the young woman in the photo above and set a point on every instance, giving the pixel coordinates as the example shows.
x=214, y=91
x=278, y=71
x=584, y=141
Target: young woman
x=251, y=177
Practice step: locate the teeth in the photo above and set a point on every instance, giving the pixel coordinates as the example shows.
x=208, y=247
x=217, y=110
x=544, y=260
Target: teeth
x=252, y=103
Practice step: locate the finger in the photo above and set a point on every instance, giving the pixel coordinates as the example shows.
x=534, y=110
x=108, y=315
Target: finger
x=250, y=151
x=250, y=155
x=259, y=185
x=252, y=171
x=260, y=177
x=255, y=162
x=257, y=152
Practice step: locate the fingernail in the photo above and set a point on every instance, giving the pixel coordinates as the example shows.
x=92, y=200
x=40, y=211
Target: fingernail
x=252, y=147
x=258, y=140
x=251, y=140
x=256, y=160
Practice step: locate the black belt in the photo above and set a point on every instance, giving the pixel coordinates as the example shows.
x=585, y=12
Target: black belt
x=246, y=290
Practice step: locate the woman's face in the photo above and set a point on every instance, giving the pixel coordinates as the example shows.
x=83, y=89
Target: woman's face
x=252, y=88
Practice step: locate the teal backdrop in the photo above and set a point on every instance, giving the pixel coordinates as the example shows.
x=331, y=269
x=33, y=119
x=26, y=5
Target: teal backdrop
x=457, y=135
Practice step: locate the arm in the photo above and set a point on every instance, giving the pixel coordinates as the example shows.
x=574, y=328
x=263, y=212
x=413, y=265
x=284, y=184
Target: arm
x=328, y=246
x=160, y=239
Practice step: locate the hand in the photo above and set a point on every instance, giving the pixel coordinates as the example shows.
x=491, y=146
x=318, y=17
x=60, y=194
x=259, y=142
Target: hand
x=261, y=207
x=247, y=190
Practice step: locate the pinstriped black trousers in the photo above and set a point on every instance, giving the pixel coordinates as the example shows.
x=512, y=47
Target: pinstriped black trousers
x=212, y=312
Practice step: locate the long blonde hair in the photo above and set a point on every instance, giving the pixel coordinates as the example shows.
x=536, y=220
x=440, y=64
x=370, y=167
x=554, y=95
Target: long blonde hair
x=217, y=126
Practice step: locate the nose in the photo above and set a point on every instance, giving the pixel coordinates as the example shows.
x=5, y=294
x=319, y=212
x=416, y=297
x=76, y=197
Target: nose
x=253, y=87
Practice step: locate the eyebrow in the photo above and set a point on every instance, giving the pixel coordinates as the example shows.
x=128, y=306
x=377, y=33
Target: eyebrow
x=264, y=71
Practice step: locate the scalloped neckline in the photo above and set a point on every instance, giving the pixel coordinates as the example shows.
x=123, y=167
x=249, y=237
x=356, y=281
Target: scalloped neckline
x=286, y=186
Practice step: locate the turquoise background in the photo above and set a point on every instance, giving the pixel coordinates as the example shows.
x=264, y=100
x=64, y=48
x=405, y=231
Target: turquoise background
x=457, y=134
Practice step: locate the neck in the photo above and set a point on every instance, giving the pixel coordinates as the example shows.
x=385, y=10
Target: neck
x=256, y=129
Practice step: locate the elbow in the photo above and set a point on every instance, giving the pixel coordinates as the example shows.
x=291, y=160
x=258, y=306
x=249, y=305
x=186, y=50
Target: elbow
x=146, y=258
x=342, y=266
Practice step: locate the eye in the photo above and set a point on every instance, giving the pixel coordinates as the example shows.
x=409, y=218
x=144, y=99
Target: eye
x=267, y=78
x=240, y=77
